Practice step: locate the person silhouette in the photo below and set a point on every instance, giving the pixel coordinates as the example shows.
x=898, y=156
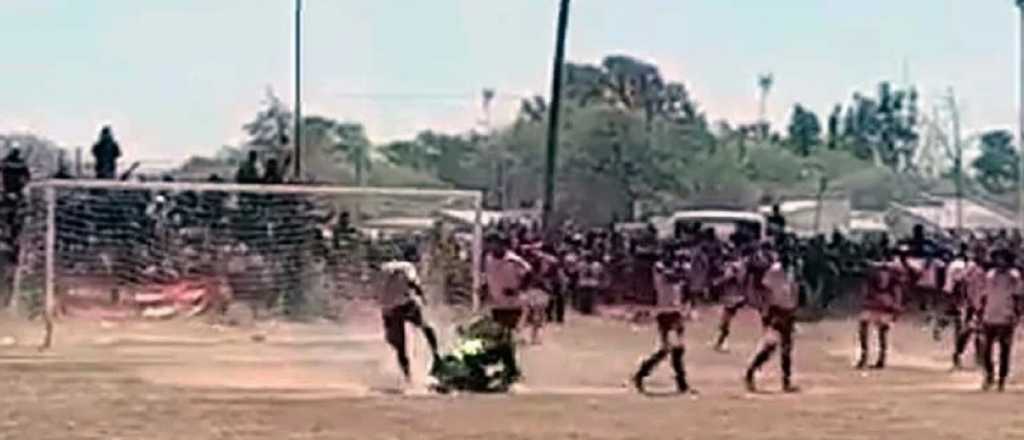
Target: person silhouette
x=105, y=152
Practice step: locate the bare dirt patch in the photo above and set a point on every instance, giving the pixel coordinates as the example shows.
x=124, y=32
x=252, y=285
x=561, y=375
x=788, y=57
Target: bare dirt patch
x=172, y=380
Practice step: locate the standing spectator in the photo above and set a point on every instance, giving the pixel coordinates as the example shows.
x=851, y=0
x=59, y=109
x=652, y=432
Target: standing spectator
x=272, y=172
x=591, y=282
x=248, y=172
x=776, y=222
x=15, y=175
x=105, y=152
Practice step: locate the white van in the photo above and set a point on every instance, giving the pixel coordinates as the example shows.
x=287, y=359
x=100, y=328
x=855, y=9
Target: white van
x=724, y=222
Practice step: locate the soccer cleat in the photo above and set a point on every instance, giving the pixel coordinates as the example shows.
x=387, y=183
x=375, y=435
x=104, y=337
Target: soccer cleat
x=721, y=348
x=789, y=388
x=862, y=363
x=638, y=384
x=684, y=388
x=748, y=381
x=986, y=385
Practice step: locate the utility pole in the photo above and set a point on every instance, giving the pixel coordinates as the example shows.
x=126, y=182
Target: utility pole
x=556, y=103
x=958, y=160
x=499, y=153
x=1020, y=123
x=298, y=90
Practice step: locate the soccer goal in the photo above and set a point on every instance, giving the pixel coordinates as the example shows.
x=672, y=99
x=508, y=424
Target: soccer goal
x=160, y=249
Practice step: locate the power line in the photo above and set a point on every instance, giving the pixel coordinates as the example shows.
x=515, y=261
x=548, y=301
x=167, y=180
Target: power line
x=423, y=96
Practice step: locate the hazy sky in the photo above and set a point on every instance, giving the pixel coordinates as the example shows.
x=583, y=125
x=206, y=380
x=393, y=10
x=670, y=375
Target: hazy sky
x=179, y=77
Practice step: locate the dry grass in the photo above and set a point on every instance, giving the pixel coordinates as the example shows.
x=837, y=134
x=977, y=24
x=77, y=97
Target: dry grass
x=187, y=380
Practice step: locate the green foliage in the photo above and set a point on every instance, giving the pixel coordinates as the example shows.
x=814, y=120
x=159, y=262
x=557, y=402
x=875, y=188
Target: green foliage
x=629, y=136
x=460, y=160
x=883, y=128
x=389, y=175
x=628, y=83
x=768, y=163
x=270, y=130
x=804, y=131
x=997, y=166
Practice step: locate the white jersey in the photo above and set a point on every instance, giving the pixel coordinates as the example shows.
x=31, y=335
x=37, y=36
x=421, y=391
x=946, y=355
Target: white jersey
x=398, y=276
x=1001, y=290
x=782, y=291
x=505, y=279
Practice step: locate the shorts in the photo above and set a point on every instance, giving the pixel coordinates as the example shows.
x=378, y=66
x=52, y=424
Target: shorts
x=879, y=317
x=670, y=328
x=779, y=319
x=669, y=321
x=395, y=319
x=732, y=304
x=536, y=314
x=507, y=317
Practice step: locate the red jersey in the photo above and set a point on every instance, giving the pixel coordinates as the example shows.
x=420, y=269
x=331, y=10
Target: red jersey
x=884, y=290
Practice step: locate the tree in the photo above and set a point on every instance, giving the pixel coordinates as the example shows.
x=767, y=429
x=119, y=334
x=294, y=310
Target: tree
x=884, y=128
x=270, y=130
x=997, y=166
x=627, y=83
x=355, y=146
x=456, y=159
x=804, y=131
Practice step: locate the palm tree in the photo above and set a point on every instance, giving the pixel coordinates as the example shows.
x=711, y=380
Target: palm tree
x=765, y=83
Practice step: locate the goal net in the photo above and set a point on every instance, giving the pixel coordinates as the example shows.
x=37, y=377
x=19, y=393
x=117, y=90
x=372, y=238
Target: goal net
x=167, y=249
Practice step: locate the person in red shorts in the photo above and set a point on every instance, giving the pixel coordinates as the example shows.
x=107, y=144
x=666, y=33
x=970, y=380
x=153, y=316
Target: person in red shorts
x=882, y=303
x=1000, y=314
x=671, y=311
x=781, y=297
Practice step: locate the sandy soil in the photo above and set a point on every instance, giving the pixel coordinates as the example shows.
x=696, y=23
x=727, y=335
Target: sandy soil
x=174, y=380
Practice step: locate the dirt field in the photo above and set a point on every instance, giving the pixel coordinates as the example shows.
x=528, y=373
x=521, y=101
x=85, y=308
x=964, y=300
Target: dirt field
x=177, y=380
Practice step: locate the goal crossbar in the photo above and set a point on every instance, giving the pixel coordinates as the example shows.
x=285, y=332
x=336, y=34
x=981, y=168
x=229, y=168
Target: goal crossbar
x=356, y=191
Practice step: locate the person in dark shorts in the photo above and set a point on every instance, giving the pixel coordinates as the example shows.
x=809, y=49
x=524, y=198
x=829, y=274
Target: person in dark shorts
x=505, y=273
x=964, y=285
x=1000, y=313
x=401, y=303
x=742, y=279
x=671, y=311
x=781, y=300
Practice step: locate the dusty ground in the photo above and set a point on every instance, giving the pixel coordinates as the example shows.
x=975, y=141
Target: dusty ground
x=324, y=381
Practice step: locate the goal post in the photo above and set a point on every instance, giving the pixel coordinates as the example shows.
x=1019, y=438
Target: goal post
x=260, y=242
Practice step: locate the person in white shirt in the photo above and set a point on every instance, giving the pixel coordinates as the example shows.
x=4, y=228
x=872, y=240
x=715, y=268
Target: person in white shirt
x=505, y=273
x=671, y=311
x=963, y=285
x=739, y=285
x=1000, y=313
x=780, y=302
x=591, y=282
x=401, y=298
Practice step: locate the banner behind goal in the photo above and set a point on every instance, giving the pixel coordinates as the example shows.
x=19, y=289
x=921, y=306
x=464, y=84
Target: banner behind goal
x=96, y=244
